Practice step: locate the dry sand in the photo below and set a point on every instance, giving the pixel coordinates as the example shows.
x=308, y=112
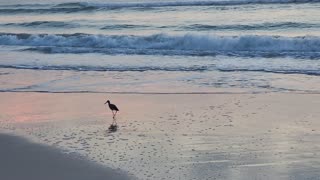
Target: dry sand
x=178, y=136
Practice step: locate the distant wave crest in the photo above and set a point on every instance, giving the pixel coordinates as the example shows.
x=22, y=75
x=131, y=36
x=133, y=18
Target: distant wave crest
x=163, y=44
x=262, y=26
x=45, y=24
x=84, y=6
x=192, y=27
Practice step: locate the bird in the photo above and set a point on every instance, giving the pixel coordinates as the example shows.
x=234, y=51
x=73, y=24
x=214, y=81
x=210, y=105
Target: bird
x=113, y=108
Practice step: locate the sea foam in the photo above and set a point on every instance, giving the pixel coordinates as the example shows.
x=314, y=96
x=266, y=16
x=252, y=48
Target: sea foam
x=163, y=44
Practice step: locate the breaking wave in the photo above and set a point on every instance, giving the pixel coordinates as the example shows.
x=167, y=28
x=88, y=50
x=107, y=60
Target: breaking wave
x=163, y=44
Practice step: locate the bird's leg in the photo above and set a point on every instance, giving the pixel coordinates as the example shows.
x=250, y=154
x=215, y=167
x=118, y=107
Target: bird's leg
x=112, y=114
x=114, y=120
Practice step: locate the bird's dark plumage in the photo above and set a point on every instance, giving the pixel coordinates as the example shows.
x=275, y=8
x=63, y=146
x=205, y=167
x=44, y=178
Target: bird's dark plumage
x=112, y=106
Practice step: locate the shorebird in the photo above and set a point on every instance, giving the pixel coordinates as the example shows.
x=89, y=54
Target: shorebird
x=113, y=108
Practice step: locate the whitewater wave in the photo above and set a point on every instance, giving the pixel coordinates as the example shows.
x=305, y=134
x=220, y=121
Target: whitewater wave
x=163, y=44
x=85, y=6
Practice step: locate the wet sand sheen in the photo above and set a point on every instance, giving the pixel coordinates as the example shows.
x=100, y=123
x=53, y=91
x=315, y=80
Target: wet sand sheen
x=176, y=136
x=21, y=159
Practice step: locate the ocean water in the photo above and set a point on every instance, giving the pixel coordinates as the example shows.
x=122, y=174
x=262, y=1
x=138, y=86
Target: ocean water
x=153, y=46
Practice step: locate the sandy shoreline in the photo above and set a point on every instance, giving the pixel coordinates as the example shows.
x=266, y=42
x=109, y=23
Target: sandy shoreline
x=176, y=136
x=21, y=159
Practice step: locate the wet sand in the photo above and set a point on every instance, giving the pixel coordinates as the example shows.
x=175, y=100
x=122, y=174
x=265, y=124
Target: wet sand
x=22, y=159
x=177, y=136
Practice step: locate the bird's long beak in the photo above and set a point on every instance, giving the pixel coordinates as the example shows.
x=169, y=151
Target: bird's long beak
x=106, y=102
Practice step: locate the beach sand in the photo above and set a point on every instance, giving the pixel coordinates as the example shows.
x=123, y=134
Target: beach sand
x=176, y=136
x=21, y=159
